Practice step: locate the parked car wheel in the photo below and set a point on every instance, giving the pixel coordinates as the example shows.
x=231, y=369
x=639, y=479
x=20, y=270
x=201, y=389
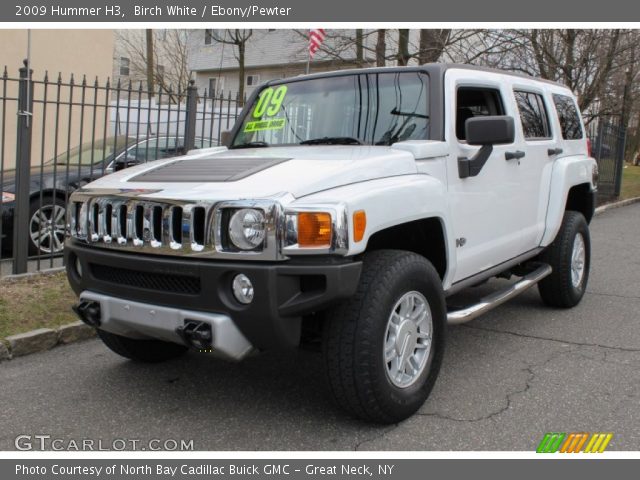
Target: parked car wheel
x=47, y=225
x=383, y=348
x=570, y=257
x=148, y=351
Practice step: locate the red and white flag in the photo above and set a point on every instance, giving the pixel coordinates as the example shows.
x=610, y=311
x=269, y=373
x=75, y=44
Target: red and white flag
x=316, y=36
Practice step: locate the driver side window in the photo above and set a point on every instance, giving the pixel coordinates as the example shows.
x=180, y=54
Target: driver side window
x=476, y=102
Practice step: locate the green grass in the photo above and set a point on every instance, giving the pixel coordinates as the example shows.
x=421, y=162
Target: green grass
x=630, y=182
x=41, y=301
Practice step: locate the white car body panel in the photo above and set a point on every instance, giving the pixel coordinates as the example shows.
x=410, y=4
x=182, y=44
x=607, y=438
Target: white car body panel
x=310, y=169
x=567, y=172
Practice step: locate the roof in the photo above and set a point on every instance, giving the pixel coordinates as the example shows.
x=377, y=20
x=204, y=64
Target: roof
x=436, y=69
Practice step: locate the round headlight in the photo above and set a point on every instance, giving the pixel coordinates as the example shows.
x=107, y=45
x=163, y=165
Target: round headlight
x=247, y=229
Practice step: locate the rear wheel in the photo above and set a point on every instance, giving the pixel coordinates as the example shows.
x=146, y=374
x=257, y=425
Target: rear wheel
x=570, y=257
x=383, y=347
x=149, y=351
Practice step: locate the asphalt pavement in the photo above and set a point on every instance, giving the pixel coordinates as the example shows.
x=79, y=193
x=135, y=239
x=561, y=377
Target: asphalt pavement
x=507, y=379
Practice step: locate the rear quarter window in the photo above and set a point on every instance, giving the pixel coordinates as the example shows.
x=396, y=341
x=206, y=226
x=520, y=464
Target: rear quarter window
x=568, y=116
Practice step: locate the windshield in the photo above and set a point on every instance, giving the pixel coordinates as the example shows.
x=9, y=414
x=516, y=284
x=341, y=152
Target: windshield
x=92, y=152
x=368, y=108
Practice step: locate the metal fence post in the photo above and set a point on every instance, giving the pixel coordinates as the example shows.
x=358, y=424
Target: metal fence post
x=622, y=141
x=191, y=112
x=23, y=171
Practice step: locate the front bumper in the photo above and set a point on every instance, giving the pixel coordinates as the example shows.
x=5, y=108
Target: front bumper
x=284, y=291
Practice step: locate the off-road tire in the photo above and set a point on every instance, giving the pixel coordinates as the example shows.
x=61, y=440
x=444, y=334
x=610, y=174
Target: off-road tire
x=147, y=351
x=354, y=338
x=557, y=290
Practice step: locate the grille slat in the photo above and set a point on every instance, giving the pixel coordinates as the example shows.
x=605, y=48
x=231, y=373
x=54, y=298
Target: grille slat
x=180, y=284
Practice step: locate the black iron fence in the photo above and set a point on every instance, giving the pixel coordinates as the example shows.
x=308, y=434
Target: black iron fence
x=56, y=136
x=607, y=137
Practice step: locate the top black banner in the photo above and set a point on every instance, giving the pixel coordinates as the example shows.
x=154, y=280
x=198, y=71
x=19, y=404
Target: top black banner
x=225, y=11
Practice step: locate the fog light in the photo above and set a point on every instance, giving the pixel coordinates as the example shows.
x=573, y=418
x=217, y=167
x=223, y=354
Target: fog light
x=243, y=289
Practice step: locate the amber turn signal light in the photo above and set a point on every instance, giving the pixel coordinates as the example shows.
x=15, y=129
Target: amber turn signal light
x=359, y=225
x=314, y=229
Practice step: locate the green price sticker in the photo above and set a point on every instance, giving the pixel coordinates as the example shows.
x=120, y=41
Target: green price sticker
x=260, y=125
x=269, y=101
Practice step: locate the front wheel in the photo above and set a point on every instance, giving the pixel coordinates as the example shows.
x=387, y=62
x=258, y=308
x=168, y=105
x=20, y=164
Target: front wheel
x=47, y=226
x=570, y=258
x=383, y=347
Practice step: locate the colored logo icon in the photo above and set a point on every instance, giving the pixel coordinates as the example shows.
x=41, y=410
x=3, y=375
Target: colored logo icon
x=574, y=442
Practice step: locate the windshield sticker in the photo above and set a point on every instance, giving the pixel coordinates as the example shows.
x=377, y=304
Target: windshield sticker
x=260, y=125
x=270, y=102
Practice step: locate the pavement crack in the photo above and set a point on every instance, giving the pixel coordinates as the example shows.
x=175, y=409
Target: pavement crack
x=616, y=295
x=376, y=437
x=549, y=339
x=508, y=398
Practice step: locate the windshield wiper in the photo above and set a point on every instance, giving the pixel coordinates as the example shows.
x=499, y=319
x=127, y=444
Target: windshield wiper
x=395, y=111
x=332, y=141
x=250, y=145
x=403, y=132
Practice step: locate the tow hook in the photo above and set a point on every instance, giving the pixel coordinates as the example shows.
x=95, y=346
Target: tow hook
x=196, y=334
x=88, y=312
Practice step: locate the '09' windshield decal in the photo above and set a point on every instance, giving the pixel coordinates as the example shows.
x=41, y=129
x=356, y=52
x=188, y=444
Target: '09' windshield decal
x=268, y=105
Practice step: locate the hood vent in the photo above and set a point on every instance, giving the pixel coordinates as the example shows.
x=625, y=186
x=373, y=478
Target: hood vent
x=211, y=169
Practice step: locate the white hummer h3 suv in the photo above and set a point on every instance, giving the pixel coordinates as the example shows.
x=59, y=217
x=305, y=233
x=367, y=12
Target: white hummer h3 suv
x=350, y=204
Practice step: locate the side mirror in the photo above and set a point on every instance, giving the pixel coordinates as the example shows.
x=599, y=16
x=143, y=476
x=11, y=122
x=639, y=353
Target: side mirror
x=127, y=161
x=494, y=130
x=486, y=132
x=225, y=138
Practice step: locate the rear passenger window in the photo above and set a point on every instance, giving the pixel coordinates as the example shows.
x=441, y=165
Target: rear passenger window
x=568, y=116
x=475, y=102
x=533, y=115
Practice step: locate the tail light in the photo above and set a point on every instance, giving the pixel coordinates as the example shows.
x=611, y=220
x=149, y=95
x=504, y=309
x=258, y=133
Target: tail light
x=589, y=147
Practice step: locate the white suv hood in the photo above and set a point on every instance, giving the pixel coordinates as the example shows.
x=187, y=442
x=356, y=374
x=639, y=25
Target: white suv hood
x=302, y=171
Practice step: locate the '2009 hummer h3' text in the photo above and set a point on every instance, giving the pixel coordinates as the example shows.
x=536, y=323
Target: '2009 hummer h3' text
x=349, y=206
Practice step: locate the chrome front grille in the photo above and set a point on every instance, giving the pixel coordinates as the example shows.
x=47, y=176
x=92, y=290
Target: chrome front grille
x=167, y=227
x=141, y=223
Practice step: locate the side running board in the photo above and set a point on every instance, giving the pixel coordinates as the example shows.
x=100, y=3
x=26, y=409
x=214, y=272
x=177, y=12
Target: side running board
x=498, y=298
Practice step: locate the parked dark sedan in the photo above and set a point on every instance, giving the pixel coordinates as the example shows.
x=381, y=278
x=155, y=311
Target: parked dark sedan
x=53, y=181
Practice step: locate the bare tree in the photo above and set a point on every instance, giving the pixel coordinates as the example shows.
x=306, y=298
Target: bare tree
x=402, y=55
x=359, y=48
x=238, y=38
x=584, y=60
x=432, y=44
x=381, y=47
x=165, y=61
x=150, y=61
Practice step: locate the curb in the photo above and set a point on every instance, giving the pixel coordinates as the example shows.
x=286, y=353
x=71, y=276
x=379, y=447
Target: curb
x=43, y=339
x=618, y=204
x=20, y=276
